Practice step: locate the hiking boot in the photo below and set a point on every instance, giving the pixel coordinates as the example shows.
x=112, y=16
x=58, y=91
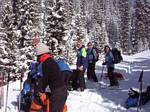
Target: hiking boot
x=116, y=84
x=110, y=85
x=95, y=80
x=81, y=89
x=113, y=87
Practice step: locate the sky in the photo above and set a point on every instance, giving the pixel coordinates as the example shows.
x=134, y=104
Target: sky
x=95, y=98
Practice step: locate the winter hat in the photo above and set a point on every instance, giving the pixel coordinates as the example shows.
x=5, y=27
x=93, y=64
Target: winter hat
x=41, y=48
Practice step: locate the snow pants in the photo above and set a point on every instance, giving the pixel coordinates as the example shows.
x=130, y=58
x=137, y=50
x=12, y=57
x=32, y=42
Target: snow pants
x=73, y=81
x=112, y=78
x=57, y=99
x=66, y=77
x=77, y=80
x=91, y=72
x=81, y=79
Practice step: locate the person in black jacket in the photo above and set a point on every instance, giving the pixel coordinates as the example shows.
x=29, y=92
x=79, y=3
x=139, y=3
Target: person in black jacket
x=52, y=77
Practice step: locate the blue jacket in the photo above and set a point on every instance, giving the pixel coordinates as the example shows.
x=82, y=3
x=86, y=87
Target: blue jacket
x=91, y=55
x=109, y=59
x=82, y=58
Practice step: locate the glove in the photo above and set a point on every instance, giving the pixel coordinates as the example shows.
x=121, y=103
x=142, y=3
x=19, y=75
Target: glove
x=104, y=63
x=81, y=68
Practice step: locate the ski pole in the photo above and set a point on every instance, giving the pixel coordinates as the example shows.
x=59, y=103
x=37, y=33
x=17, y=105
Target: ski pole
x=140, y=90
x=1, y=89
x=21, y=80
x=101, y=76
x=8, y=78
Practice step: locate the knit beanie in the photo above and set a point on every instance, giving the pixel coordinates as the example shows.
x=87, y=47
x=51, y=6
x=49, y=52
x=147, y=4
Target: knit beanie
x=41, y=48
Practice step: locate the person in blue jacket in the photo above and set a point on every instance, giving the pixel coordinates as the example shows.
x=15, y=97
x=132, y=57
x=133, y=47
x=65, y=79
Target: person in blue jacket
x=110, y=66
x=91, y=56
x=81, y=64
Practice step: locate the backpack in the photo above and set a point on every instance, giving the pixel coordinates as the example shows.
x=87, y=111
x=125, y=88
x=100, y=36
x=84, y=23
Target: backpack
x=28, y=93
x=97, y=53
x=35, y=70
x=117, y=56
x=43, y=104
x=131, y=102
x=63, y=65
x=25, y=97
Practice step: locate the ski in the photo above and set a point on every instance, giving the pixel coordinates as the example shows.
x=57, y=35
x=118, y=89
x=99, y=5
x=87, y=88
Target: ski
x=16, y=89
x=76, y=93
x=110, y=88
x=101, y=76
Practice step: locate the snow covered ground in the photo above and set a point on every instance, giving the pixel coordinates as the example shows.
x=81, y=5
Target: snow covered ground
x=94, y=99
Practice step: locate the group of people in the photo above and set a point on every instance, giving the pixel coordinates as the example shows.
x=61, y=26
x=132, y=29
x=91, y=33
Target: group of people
x=57, y=81
x=87, y=58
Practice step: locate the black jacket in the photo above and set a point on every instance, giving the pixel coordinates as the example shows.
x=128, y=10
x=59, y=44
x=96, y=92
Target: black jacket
x=51, y=75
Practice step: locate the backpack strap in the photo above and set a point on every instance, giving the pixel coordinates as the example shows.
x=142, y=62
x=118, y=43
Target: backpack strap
x=93, y=54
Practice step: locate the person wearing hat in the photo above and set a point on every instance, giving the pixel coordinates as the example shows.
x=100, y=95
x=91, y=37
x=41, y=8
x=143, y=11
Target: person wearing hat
x=51, y=77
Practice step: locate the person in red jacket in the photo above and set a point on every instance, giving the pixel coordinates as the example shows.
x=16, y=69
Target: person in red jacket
x=52, y=77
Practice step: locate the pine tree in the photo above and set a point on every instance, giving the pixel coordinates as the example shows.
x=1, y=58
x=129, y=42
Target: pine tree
x=141, y=25
x=112, y=16
x=56, y=24
x=124, y=8
x=147, y=23
x=134, y=41
x=8, y=39
x=19, y=21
